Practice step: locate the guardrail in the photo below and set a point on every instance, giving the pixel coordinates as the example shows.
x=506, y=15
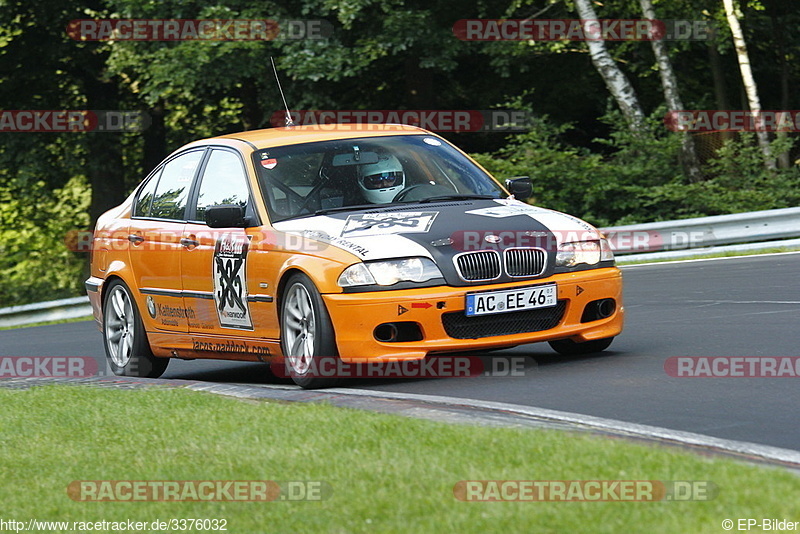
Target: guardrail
x=702, y=232
x=649, y=240
x=54, y=310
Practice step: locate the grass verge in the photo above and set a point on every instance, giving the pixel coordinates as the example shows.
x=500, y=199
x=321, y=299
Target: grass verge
x=45, y=323
x=387, y=473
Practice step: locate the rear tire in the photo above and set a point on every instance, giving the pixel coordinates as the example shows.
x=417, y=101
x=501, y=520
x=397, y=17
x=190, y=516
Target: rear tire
x=567, y=347
x=127, y=349
x=307, y=336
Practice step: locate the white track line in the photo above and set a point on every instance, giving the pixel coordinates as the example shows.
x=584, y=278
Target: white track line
x=673, y=262
x=596, y=423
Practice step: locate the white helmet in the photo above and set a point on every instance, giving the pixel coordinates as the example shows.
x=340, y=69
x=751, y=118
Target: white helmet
x=380, y=182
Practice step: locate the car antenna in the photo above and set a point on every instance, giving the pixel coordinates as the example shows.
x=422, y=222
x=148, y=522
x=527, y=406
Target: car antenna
x=288, y=120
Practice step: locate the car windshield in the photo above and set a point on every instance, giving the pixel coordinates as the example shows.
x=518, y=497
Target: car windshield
x=314, y=178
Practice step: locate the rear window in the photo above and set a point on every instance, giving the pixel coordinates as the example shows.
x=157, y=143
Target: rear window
x=172, y=191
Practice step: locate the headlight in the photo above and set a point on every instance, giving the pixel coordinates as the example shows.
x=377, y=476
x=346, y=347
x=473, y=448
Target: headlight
x=389, y=272
x=606, y=254
x=355, y=275
x=588, y=252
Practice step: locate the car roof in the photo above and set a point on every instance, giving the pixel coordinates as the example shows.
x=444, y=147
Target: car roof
x=293, y=135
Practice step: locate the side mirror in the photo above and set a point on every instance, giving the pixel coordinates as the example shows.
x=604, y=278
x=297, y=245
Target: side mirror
x=226, y=216
x=521, y=187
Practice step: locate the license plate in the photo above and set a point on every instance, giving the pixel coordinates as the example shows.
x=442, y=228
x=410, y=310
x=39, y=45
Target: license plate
x=511, y=300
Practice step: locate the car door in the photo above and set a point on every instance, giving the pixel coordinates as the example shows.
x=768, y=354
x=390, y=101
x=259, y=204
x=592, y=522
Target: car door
x=218, y=268
x=155, y=234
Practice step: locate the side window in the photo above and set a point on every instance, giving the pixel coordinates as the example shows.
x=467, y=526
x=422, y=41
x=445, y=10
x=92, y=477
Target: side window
x=169, y=201
x=145, y=198
x=224, y=182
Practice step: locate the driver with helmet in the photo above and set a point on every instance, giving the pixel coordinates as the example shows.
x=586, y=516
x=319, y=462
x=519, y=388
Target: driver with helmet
x=380, y=182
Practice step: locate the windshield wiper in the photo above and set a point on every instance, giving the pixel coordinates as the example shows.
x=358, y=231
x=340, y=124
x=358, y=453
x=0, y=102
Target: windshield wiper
x=455, y=197
x=354, y=207
x=357, y=207
x=348, y=208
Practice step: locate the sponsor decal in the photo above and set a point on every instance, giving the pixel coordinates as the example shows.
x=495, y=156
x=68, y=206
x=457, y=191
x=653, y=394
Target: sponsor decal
x=230, y=283
x=583, y=224
x=423, y=305
x=557, y=223
x=507, y=210
x=388, y=223
x=166, y=310
x=151, y=307
x=319, y=235
x=202, y=313
x=442, y=242
x=229, y=346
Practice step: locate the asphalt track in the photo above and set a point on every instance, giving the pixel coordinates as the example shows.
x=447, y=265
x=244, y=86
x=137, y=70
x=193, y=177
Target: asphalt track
x=741, y=307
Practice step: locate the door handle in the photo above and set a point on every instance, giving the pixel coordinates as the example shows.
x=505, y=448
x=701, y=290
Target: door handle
x=188, y=243
x=135, y=239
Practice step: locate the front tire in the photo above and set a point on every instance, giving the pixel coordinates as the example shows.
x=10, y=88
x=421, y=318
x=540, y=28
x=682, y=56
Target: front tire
x=567, y=347
x=127, y=349
x=307, y=336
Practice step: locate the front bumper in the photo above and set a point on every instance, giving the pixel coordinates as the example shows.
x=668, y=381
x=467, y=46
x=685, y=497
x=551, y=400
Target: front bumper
x=356, y=315
x=94, y=289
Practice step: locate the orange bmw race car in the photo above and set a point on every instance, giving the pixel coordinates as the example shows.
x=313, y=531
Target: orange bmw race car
x=361, y=243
